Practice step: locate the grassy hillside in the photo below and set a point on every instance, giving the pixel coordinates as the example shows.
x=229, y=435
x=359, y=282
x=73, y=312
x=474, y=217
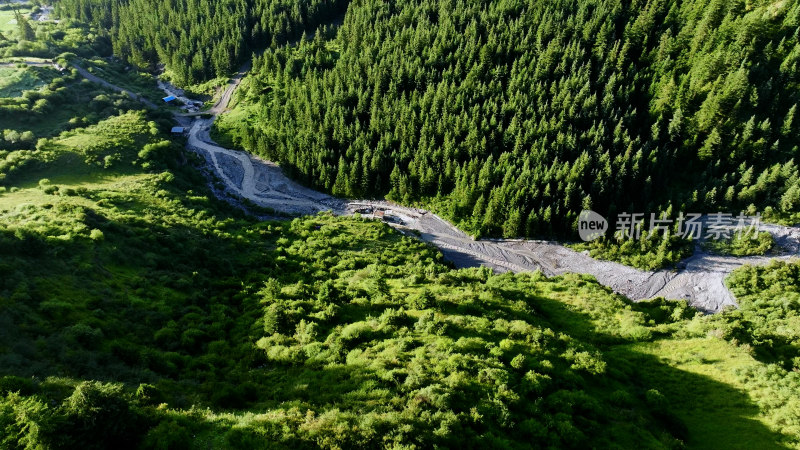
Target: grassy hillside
x=138, y=310
x=319, y=331
x=8, y=20
x=24, y=37
x=15, y=80
x=40, y=102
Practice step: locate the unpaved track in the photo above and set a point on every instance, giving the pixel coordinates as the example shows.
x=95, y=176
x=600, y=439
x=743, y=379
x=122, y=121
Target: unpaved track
x=86, y=74
x=27, y=63
x=225, y=98
x=700, y=279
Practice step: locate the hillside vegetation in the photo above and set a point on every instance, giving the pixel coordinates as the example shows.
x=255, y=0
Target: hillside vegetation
x=204, y=38
x=510, y=117
x=132, y=304
x=138, y=311
x=21, y=36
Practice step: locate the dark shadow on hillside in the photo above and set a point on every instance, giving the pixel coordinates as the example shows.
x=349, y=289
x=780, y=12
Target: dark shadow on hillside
x=694, y=400
x=200, y=357
x=460, y=259
x=714, y=414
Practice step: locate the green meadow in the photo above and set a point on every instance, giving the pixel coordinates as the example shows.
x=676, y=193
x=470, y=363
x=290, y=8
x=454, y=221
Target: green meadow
x=8, y=21
x=138, y=310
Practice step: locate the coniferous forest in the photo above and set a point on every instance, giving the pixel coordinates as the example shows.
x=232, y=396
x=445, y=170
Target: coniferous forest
x=199, y=39
x=510, y=117
x=140, y=307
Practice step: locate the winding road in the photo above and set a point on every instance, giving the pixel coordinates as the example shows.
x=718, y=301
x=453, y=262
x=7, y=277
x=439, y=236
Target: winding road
x=88, y=75
x=85, y=74
x=699, y=279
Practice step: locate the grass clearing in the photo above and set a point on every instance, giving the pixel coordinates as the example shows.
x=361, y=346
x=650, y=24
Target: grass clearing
x=125, y=76
x=226, y=128
x=67, y=102
x=15, y=80
x=701, y=379
x=68, y=168
x=76, y=163
x=8, y=21
x=209, y=91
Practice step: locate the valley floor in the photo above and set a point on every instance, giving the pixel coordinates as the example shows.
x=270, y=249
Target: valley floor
x=700, y=280
x=158, y=292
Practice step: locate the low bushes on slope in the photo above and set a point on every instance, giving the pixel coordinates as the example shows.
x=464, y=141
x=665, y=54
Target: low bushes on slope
x=137, y=309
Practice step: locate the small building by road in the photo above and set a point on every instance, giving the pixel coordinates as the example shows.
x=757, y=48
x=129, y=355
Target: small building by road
x=178, y=131
x=169, y=99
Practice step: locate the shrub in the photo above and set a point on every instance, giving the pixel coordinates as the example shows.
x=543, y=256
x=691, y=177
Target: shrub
x=356, y=333
x=148, y=394
x=84, y=335
x=421, y=300
x=23, y=386
x=98, y=416
x=743, y=245
x=168, y=435
x=655, y=399
x=275, y=319
x=96, y=235
x=650, y=252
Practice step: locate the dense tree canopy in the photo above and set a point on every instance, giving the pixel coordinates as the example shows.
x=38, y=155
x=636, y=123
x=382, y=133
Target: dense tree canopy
x=138, y=310
x=198, y=39
x=512, y=116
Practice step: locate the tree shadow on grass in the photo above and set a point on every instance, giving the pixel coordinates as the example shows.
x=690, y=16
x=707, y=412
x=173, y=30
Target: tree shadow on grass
x=710, y=413
x=277, y=389
x=716, y=415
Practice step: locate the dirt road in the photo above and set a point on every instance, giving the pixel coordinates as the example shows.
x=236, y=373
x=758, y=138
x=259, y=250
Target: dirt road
x=88, y=75
x=700, y=281
x=13, y=63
